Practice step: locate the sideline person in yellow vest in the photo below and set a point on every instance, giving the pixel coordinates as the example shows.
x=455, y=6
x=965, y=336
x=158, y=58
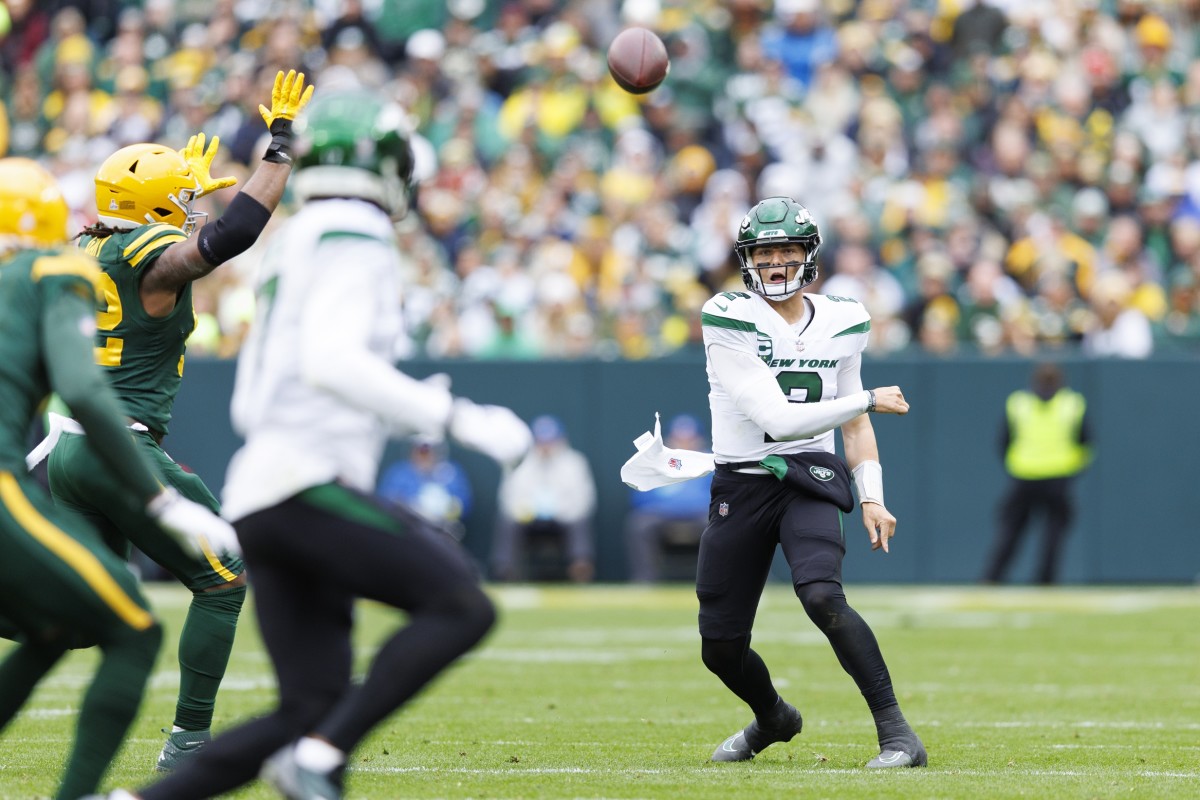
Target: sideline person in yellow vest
x=1046, y=442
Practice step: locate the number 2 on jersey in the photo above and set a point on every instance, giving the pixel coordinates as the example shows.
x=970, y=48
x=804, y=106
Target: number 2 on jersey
x=108, y=319
x=799, y=387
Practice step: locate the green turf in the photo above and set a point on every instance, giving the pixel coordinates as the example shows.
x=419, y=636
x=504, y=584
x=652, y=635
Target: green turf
x=599, y=692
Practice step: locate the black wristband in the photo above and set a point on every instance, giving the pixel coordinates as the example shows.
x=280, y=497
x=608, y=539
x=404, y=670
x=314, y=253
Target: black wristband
x=870, y=400
x=280, y=149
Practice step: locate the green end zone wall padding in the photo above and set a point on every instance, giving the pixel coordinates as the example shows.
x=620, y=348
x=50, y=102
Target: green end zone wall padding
x=942, y=467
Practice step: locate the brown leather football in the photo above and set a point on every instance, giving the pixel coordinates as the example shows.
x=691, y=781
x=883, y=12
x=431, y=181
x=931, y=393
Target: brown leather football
x=637, y=60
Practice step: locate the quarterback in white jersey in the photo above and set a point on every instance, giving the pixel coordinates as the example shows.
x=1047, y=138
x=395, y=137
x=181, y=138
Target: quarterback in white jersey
x=783, y=372
x=811, y=363
x=316, y=398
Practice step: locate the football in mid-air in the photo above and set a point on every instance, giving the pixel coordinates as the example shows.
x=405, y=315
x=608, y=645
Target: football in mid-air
x=637, y=60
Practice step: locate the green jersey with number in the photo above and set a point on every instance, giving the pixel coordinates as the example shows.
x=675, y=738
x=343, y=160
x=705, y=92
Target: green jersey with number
x=813, y=362
x=27, y=282
x=141, y=355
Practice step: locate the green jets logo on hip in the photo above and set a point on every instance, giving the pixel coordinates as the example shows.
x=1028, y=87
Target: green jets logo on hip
x=821, y=473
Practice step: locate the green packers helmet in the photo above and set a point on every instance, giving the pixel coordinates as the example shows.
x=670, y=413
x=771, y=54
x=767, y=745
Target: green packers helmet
x=32, y=208
x=354, y=144
x=145, y=183
x=774, y=221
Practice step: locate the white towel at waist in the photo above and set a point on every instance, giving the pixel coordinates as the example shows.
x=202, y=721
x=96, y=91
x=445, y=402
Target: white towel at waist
x=57, y=426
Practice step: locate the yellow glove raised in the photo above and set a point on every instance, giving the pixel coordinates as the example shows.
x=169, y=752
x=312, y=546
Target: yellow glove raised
x=200, y=162
x=288, y=98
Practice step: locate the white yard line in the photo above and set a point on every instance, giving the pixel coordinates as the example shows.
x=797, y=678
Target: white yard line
x=761, y=770
x=946, y=599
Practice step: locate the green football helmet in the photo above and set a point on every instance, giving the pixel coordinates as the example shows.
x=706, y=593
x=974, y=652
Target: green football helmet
x=355, y=144
x=776, y=220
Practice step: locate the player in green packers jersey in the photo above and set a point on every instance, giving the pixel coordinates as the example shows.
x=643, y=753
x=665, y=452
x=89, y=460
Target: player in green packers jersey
x=60, y=584
x=149, y=257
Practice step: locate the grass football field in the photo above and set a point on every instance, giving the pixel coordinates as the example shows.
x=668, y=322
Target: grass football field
x=599, y=693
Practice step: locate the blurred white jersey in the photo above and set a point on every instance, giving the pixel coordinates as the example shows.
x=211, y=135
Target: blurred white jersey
x=334, y=262
x=811, y=363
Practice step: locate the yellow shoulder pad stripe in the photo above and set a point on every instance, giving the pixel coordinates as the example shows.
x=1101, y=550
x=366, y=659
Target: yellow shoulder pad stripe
x=151, y=240
x=94, y=246
x=149, y=233
x=159, y=245
x=66, y=264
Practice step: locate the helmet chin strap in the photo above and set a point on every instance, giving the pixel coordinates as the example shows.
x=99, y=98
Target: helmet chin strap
x=779, y=297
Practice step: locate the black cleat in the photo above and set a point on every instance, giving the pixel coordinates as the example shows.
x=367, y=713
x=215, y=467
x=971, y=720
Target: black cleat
x=179, y=747
x=783, y=724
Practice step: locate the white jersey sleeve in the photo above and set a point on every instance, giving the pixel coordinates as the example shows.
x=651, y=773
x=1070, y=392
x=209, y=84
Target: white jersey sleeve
x=315, y=395
x=336, y=355
x=816, y=363
x=755, y=392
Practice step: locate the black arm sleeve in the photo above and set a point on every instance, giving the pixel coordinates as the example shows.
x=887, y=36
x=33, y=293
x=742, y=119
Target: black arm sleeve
x=81, y=385
x=235, y=231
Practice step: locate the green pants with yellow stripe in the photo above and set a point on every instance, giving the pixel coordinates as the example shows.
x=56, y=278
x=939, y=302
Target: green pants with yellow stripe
x=81, y=483
x=61, y=584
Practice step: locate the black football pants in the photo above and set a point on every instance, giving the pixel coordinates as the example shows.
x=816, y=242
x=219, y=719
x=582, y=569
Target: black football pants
x=309, y=559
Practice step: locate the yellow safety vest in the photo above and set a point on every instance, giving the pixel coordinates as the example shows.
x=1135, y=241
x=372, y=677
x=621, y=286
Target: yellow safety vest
x=1045, y=435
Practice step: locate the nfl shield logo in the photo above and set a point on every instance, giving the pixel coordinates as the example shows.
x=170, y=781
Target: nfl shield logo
x=675, y=463
x=723, y=509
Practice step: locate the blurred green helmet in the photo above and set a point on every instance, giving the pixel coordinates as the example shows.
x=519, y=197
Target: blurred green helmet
x=777, y=220
x=354, y=144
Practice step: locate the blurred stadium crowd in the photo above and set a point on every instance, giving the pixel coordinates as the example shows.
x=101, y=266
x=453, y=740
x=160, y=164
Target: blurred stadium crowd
x=1000, y=176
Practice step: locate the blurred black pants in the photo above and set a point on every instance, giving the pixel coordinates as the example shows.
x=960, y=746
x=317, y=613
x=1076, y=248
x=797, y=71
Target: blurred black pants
x=1050, y=498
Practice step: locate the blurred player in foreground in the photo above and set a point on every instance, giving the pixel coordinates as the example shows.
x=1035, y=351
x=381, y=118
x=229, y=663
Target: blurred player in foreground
x=316, y=397
x=59, y=582
x=143, y=241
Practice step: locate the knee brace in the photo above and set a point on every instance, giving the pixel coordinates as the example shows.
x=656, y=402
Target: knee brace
x=724, y=657
x=823, y=601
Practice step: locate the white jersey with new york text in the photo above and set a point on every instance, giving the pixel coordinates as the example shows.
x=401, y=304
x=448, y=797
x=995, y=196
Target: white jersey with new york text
x=819, y=361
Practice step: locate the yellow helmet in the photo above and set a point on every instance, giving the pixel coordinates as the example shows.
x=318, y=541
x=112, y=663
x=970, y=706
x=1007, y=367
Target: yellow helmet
x=31, y=204
x=145, y=183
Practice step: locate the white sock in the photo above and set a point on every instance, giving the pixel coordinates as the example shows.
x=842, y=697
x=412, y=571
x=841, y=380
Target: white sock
x=318, y=755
